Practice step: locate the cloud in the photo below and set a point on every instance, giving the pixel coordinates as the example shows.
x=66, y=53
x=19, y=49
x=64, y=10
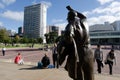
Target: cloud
x=34, y=2
x=114, y=7
x=61, y=25
x=104, y=1
x=1, y=5
x=1, y=24
x=14, y=15
x=57, y=20
x=109, y=12
x=8, y=2
x=101, y=19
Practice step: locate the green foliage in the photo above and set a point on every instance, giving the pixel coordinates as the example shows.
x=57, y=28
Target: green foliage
x=31, y=40
x=59, y=38
x=4, y=37
x=40, y=40
x=16, y=39
x=51, y=37
x=47, y=37
x=24, y=40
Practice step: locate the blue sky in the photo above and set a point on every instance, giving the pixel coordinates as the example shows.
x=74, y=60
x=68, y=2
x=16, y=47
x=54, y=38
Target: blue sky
x=97, y=11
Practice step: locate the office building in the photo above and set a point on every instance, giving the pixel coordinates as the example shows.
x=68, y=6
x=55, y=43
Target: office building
x=20, y=31
x=105, y=34
x=35, y=21
x=53, y=29
x=116, y=25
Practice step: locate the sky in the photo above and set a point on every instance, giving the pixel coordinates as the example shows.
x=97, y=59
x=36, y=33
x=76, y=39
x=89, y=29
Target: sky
x=96, y=11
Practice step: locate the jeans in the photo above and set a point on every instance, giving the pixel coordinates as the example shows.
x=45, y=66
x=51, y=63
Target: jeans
x=110, y=63
x=99, y=65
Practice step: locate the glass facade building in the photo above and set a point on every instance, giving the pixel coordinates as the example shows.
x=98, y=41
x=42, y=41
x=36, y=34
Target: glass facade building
x=105, y=34
x=105, y=38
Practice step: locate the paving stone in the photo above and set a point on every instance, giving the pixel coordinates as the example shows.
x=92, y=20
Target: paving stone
x=11, y=71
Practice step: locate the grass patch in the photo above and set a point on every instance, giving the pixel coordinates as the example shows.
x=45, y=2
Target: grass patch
x=24, y=45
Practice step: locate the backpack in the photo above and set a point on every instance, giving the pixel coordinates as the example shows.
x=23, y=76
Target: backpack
x=112, y=56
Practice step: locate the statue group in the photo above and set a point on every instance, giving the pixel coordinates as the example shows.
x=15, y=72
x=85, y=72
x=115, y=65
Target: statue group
x=76, y=45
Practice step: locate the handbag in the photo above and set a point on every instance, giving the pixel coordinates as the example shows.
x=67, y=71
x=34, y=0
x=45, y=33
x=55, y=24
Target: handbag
x=106, y=62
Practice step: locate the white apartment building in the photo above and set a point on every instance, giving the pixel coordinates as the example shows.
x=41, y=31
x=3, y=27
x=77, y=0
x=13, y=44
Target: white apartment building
x=35, y=21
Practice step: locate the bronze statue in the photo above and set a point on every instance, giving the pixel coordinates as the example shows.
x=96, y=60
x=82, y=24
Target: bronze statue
x=75, y=44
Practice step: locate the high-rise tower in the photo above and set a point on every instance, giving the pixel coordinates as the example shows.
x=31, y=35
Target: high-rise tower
x=35, y=21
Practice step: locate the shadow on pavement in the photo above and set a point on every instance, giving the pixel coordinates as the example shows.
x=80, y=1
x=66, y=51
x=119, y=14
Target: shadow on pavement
x=31, y=68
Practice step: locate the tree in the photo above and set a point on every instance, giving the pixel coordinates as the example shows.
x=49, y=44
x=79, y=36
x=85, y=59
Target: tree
x=59, y=38
x=51, y=37
x=24, y=40
x=47, y=37
x=40, y=40
x=16, y=39
x=4, y=36
x=31, y=40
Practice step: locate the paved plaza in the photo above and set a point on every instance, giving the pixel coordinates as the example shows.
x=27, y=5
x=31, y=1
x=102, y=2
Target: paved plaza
x=11, y=71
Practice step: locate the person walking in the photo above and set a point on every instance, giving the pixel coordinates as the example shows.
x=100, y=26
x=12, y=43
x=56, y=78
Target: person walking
x=110, y=59
x=98, y=56
x=3, y=51
x=54, y=56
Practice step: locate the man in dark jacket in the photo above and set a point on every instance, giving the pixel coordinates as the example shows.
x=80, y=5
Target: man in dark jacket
x=98, y=56
x=45, y=61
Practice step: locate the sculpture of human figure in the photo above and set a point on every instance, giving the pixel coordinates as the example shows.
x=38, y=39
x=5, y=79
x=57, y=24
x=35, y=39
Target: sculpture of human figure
x=77, y=21
x=76, y=45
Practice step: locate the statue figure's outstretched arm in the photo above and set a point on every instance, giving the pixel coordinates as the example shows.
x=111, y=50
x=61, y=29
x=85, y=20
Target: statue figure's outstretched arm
x=83, y=24
x=80, y=15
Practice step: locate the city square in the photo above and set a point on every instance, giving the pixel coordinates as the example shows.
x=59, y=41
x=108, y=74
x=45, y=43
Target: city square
x=11, y=71
x=32, y=30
